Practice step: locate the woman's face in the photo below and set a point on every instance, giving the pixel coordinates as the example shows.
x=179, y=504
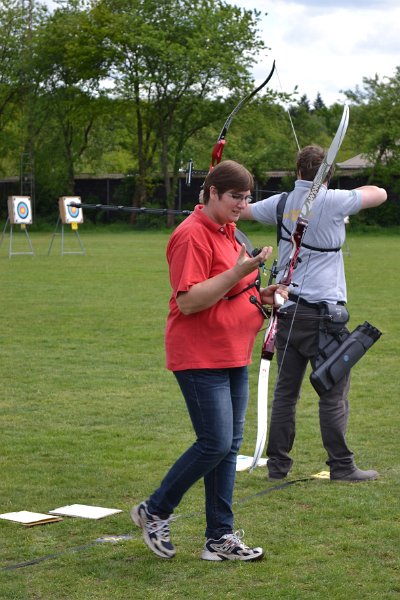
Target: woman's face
x=227, y=207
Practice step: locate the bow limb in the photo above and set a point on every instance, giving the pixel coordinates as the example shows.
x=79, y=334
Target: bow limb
x=301, y=225
x=297, y=238
x=267, y=354
x=216, y=155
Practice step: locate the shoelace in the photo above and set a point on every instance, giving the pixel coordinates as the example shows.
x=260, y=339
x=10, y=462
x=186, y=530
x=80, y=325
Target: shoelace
x=235, y=539
x=160, y=525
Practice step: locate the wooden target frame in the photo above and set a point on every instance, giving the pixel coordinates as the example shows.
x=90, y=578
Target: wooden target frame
x=20, y=210
x=70, y=214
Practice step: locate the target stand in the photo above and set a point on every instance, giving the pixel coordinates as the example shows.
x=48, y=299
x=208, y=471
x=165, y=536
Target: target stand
x=19, y=213
x=69, y=215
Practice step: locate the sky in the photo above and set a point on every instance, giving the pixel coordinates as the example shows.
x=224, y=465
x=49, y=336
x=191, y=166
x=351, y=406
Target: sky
x=326, y=46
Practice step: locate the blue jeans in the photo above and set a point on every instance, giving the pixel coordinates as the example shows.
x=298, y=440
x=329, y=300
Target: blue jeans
x=217, y=401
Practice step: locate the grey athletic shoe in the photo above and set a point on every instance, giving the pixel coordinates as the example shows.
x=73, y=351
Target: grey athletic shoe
x=155, y=530
x=356, y=476
x=230, y=547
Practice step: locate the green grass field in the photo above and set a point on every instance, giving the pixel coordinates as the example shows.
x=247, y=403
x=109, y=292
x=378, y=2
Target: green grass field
x=90, y=415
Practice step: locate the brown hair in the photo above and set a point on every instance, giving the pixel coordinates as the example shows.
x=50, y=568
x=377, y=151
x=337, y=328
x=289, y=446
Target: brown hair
x=308, y=162
x=228, y=175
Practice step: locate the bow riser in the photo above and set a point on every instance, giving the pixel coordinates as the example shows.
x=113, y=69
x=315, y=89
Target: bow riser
x=268, y=349
x=296, y=239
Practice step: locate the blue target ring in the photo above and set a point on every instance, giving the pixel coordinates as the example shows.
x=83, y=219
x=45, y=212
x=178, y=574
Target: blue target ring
x=73, y=212
x=22, y=210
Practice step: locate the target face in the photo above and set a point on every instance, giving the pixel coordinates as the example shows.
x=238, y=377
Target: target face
x=70, y=214
x=19, y=210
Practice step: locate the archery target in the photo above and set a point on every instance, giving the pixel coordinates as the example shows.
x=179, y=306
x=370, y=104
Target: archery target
x=70, y=214
x=19, y=210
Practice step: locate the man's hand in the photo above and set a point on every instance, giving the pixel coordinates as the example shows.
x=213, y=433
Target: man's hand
x=268, y=294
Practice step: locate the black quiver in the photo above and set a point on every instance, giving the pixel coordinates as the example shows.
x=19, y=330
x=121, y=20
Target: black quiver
x=338, y=364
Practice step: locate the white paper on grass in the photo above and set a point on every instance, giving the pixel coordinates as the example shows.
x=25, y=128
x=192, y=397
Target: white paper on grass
x=84, y=511
x=244, y=462
x=27, y=517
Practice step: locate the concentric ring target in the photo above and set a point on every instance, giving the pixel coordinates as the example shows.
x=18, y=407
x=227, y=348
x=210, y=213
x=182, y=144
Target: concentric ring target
x=19, y=210
x=73, y=212
x=22, y=210
x=70, y=214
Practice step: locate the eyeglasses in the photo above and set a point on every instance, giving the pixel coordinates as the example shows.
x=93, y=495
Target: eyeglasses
x=239, y=197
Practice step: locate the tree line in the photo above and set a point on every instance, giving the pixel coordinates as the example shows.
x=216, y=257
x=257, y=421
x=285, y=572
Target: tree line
x=140, y=86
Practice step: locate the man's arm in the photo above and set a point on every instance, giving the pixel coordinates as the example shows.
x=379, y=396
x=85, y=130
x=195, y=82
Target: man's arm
x=371, y=195
x=246, y=214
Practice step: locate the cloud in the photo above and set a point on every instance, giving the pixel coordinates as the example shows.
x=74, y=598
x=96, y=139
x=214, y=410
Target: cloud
x=326, y=46
x=354, y=5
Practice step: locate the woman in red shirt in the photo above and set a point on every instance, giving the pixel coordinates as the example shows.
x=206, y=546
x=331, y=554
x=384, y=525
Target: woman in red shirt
x=210, y=333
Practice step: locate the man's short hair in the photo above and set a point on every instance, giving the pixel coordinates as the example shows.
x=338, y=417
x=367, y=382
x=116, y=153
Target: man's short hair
x=309, y=160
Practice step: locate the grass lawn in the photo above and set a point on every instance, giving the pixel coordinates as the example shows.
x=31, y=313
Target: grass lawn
x=90, y=415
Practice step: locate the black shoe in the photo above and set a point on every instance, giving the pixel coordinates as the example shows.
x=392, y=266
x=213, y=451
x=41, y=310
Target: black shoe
x=356, y=476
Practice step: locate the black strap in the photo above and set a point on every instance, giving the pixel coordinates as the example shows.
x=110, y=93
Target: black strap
x=279, y=216
x=280, y=208
x=241, y=238
x=299, y=300
x=255, y=284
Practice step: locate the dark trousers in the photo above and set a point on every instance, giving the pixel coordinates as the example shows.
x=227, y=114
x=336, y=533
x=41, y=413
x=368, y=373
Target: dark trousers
x=293, y=358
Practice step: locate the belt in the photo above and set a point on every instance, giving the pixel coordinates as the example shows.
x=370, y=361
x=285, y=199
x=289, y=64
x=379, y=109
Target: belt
x=299, y=300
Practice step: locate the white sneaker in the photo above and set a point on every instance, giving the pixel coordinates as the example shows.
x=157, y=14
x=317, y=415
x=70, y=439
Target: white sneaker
x=230, y=547
x=155, y=530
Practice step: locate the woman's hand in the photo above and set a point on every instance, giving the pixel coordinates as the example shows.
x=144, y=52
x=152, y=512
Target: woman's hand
x=206, y=293
x=247, y=264
x=267, y=294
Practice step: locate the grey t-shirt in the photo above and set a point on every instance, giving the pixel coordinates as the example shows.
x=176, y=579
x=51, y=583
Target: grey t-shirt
x=320, y=275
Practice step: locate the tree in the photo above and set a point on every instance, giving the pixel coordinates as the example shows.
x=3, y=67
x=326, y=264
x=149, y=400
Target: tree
x=376, y=127
x=167, y=58
x=68, y=65
x=13, y=37
x=378, y=122
x=318, y=102
x=16, y=86
x=262, y=138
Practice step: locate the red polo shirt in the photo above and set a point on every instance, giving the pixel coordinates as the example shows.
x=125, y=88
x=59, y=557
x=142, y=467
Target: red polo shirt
x=221, y=336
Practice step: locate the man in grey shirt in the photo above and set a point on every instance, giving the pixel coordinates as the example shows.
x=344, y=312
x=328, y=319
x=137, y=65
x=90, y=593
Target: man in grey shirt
x=320, y=284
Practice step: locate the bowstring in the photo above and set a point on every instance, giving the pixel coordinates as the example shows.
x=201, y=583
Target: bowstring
x=288, y=111
x=301, y=288
x=327, y=180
